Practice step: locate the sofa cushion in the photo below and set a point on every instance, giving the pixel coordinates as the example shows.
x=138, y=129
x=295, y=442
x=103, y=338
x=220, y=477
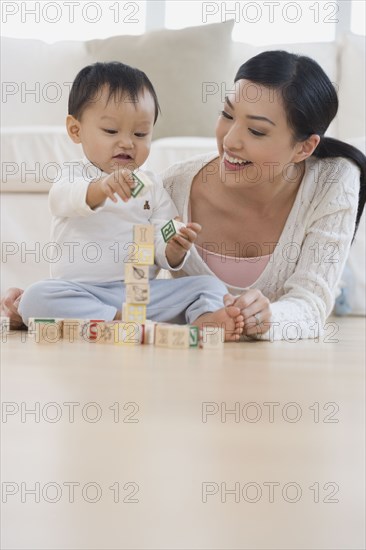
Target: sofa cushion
x=37, y=78
x=167, y=151
x=25, y=234
x=186, y=67
x=181, y=64
x=33, y=156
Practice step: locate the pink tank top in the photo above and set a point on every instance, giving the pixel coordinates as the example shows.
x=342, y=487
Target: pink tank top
x=234, y=271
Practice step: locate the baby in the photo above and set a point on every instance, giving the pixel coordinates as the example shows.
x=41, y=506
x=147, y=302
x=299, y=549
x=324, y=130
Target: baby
x=112, y=111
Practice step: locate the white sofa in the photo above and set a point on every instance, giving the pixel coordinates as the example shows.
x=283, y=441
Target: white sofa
x=191, y=69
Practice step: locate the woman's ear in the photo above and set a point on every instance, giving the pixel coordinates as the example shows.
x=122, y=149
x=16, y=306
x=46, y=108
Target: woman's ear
x=306, y=148
x=73, y=128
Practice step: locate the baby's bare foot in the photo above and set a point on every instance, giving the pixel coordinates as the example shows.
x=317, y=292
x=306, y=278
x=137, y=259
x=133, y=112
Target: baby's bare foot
x=228, y=317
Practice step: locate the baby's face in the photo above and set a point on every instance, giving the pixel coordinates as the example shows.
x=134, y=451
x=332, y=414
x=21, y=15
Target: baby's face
x=116, y=133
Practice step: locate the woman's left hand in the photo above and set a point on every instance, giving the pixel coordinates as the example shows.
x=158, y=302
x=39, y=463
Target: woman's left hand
x=255, y=308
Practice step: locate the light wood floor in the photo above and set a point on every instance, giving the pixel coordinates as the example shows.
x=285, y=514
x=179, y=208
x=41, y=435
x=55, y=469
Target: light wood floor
x=152, y=441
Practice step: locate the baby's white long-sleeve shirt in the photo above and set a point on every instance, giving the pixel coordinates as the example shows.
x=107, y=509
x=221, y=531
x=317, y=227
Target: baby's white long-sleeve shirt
x=92, y=245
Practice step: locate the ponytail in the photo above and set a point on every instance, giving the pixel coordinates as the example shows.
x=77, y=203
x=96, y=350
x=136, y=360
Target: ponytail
x=331, y=148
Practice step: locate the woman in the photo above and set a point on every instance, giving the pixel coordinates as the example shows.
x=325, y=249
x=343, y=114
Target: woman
x=279, y=203
x=278, y=206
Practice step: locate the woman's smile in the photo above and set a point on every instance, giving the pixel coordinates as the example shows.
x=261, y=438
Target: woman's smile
x=234, y=163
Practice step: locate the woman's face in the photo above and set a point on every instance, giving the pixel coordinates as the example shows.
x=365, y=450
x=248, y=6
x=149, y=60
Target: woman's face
x=254, y=140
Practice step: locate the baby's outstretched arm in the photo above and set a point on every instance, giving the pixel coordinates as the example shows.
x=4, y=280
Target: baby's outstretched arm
x=179, y=245
x=118, y=183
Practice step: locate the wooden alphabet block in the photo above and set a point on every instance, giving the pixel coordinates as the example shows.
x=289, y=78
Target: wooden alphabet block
x=45, y=331
x=144, y=254
x=134, y=313
x=175, y=336
x=110, y=333
x=136, y=273
x=179, y=337
x=84, y=330
x=143, y=183
x=143, y=234
x=193, y=336
x=137, y=293
x=213, y=337
x=72, y=329
x=4, y=326
x=94, y=330
x=170, y=229
x=162, y=335
x=123, y=333
x=149, y=332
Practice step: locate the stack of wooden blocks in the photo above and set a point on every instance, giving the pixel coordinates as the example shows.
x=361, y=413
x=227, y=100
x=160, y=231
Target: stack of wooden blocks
x=138, y=295
x=137, y=275
x=134, y=327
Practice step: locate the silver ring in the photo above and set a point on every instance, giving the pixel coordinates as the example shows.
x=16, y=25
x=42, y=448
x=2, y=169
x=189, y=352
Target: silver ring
x=257, y=319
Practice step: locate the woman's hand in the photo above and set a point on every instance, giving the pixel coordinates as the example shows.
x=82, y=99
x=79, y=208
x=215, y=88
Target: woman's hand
x=9, y=307
x=255, y=308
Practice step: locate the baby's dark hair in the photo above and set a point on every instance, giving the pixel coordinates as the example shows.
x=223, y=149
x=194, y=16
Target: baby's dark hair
x=122, y=80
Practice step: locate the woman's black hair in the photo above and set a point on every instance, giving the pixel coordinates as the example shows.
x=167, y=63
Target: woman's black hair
x=122, y=80
x=310, y=102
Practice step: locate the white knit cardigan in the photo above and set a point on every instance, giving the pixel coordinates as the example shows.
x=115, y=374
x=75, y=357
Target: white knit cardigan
x=301, y=277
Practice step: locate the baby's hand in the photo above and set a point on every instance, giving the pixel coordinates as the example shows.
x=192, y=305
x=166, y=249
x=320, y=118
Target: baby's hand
x=186, y=236
x=118, y=183
x=179, y=245
x=9, y=307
